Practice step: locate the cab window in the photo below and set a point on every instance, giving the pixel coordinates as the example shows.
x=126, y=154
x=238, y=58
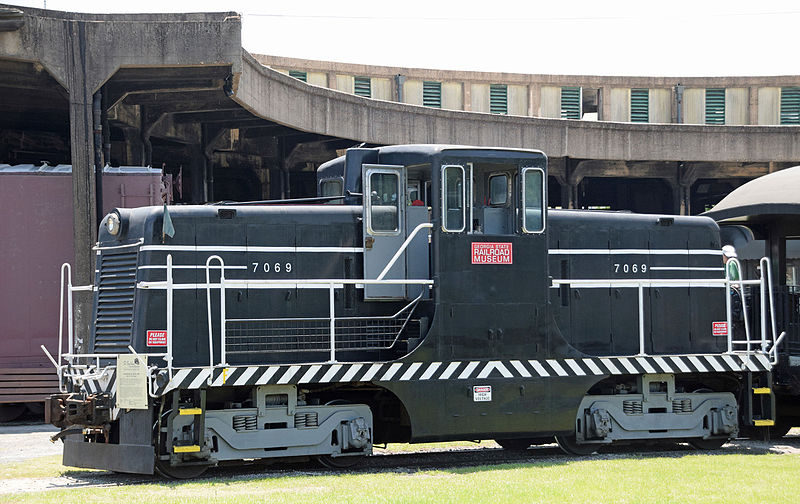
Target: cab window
x=384, y=202
x=498, y=190
x=533, y=200
x=453, y=198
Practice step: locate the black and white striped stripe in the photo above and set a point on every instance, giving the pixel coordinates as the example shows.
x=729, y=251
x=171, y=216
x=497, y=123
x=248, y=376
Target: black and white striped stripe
x=298, y=374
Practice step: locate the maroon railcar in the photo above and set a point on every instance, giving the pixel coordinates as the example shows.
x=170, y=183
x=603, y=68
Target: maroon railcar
x=36, y=237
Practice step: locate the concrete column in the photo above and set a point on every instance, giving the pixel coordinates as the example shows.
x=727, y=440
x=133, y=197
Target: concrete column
x=133, y=147
x=573, y=178
x=680, y=203
x=685, y=177
x=83, y=178
x=604, y=107
x=195, y=192
x=752, y=112
x=534, y=99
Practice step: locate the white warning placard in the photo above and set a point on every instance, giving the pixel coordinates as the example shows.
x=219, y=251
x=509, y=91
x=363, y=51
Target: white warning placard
x=482, y=393
x=132, y=381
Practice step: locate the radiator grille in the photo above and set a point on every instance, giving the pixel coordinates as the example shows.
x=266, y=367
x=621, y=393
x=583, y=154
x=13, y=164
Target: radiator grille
x=115, y=292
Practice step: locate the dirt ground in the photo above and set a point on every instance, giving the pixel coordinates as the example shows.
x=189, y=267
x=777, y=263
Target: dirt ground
x=27, y=441
x=21, y=442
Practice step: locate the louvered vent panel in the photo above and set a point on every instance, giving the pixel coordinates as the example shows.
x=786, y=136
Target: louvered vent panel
x=715, y=106
x=640, y=105
x=363, y=87
x=790, y=105
x=432, y=94
x=297, y=74
x=115, y=287
x=570, y=103
x=498, y=99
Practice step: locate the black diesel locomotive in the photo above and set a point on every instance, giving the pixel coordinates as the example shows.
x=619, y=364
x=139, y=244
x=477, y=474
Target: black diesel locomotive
x=428, y=295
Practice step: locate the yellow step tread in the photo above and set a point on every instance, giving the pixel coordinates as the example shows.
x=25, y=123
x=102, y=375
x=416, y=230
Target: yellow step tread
x=186, y=449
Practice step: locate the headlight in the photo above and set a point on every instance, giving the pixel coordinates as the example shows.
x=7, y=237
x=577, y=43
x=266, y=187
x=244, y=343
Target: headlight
x=112, y=224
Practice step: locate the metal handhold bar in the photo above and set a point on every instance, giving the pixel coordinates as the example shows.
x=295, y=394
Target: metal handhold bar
x=403, y=247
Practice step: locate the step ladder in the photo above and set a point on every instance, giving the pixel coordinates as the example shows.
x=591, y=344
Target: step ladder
x=760, y=401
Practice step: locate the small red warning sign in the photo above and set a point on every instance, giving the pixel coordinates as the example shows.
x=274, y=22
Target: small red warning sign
x=482, y=393
x=719, y=328
x=492, y=253
x=156, y=338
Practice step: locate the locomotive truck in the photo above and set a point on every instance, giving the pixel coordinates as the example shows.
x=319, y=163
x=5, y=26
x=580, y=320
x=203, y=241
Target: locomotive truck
x=426, y=294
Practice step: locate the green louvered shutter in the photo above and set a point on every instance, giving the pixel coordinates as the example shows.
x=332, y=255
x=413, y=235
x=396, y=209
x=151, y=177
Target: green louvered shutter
x=432, y=94
x=640, y=105
x=570, y=103
x=498, y=99
x=715, y=106
x=297, y=74
x=363, y=87
x=790, y=105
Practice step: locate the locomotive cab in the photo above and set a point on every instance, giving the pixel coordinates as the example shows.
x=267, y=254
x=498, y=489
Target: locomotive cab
x=486, y=212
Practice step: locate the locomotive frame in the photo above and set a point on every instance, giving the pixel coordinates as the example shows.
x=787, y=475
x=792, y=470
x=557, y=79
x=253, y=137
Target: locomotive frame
x=285, y=331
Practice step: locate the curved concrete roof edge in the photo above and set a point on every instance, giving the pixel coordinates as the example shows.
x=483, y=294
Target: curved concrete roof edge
x=288, y=101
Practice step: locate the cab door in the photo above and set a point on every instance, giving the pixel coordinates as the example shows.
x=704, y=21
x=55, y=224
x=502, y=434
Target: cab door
x=384, y=228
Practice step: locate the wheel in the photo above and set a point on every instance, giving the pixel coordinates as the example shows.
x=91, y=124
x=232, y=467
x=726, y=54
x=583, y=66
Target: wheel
x=570, y=446
x=179, y=472
x=10, y=412
x=37, y=408
x=514, y=444
x=339, y=462
x=707, y=444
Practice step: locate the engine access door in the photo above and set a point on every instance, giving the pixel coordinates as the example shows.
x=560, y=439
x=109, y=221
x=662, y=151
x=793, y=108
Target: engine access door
x=384, y=229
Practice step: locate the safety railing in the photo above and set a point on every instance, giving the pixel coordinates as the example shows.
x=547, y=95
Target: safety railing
x=225, y=284
x=81, y=367
x=768, y=342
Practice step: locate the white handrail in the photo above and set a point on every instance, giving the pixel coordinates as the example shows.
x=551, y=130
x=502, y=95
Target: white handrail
x=170, y=301
x=639, y=284
x=403, y=248
x=252, y=283
x=765, y=262
x=138, y=242
x=266, y=284
x=728, y=294
x=222, y=312
x=331, y=298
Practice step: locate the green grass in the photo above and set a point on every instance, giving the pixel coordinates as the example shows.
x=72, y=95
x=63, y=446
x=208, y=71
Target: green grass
x=630, y=479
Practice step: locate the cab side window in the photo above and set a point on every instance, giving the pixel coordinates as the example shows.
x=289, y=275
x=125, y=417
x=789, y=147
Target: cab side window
x=453, y=198
x=533, y=200
x=384, y=202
